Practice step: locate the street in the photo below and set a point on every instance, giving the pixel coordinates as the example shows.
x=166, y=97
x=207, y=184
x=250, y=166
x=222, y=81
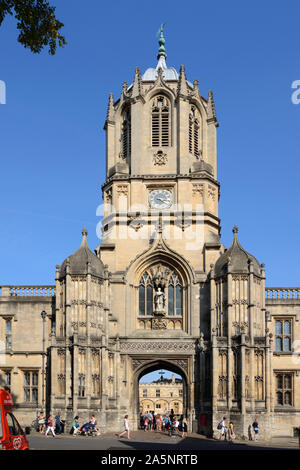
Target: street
x=141, y=440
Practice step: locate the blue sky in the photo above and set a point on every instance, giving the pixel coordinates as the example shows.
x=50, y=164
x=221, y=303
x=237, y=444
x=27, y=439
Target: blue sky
x=52, y=144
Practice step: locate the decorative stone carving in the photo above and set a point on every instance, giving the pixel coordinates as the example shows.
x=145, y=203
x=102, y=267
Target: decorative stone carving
x=198, y=189
x=108, y=196
x=136, y=223
x=159, y=324
x=122, y=190
x=181, y=363
x=74, y=325
x=183, y=223
x=96, y=304
x=157, y=347
x=61, y=352
x=160, y=158
x=211, y=192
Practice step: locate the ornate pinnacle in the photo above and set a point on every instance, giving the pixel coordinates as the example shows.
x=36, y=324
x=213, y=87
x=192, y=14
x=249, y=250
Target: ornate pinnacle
x=211, y=112
x=110, y=108
x=84, y=235
x=182, y=85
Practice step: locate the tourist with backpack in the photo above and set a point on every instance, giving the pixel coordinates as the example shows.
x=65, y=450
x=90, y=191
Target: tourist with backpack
x=222, y=428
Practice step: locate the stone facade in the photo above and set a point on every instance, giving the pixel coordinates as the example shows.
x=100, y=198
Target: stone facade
x=161, y=290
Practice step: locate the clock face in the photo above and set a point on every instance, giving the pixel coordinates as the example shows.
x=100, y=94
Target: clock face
x=160, y=198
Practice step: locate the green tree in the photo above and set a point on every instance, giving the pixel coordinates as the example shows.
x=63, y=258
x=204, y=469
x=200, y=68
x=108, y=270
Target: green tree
x=37, y=23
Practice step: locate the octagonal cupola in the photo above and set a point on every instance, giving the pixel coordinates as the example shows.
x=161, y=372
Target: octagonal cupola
x=81, y=259
x=238, y=259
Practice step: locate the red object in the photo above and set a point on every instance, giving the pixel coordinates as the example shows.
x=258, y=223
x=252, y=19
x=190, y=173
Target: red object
x=203, y=420
x=12, y=436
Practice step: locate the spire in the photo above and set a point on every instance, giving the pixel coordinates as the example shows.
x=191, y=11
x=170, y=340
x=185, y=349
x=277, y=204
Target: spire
x=211, y=112
x=182, y=83
x=84, y=238
x=235, y=232
x=110, y=109
x=161, y=42
x=137, y=85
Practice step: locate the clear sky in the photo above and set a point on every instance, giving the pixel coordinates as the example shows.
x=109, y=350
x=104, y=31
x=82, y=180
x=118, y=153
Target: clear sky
x=52, y=143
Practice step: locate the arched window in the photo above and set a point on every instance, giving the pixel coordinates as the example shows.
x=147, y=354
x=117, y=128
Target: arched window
x=161, y=279
x=126, y=135
x=145, y=296
x=160, y=122
x=194, y=130
x=174, y=296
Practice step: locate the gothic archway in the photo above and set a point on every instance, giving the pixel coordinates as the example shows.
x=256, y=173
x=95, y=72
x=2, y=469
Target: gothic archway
x=178, y=366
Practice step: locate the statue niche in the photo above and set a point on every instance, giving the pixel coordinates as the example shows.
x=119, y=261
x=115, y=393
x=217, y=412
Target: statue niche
x=160, y=293
x=160, y=279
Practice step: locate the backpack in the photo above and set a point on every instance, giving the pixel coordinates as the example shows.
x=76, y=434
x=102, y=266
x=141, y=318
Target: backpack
x=219, y=425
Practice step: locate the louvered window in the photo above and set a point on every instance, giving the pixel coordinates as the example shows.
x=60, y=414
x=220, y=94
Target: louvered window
x=160, y=122
x=194, y=129
x=126, y=135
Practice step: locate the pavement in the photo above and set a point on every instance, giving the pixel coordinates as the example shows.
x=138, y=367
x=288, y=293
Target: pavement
x=141, y=440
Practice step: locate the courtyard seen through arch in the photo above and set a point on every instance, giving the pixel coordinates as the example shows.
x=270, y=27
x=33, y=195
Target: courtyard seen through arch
x=161, y=391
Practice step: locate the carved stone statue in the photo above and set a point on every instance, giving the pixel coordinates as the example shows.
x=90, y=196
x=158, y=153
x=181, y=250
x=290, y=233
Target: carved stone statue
x=160, y=302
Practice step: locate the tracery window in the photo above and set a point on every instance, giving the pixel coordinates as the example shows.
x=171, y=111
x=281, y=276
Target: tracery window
x=126, y=135
x=175, y=296
x=145, y=295
x=161, y=291
x=194, y=133
x=160, y=122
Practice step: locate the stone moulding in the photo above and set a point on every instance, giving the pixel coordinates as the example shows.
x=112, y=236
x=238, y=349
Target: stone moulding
x=157, y=346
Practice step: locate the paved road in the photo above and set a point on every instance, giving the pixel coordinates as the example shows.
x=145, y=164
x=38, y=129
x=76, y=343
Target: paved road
x=150, y=441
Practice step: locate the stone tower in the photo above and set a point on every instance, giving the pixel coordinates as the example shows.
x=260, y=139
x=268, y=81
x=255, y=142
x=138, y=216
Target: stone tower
x=161, y=290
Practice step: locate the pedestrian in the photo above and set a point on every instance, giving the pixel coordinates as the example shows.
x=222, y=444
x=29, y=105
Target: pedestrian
x=142, y=425
x=42, y=424
x=126, y=428
x=222, y=428
x=58, y=424
x=146, y=423
x=75, y=425
x=184, y=425
x=50, y=427
x=166, y=423
x=255, y=429
x=231, y=433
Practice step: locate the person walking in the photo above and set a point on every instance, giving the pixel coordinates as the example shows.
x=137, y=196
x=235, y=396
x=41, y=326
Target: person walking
x=231, y=433
x=184, y=425
x=50, y=427
x=255, y=429
x=222, y=428
x=58, y=423
x=126, y=428
x=42, y=424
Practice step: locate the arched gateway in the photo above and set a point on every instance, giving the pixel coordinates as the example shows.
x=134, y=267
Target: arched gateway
x=176, y=366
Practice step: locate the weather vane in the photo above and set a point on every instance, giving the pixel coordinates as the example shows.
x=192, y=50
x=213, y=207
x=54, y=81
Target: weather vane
x=160, y=31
